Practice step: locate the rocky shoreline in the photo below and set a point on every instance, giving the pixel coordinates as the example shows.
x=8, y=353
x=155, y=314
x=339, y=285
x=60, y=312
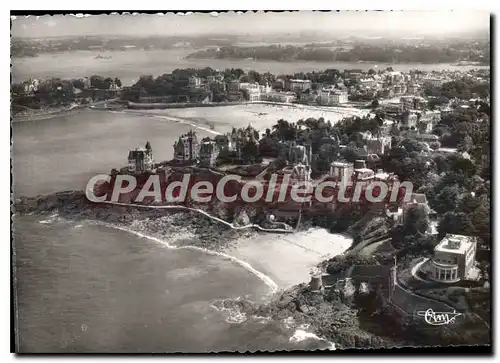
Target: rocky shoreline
x=336, y=316
x=345, y=315
x=160, y=223
x=330, y=316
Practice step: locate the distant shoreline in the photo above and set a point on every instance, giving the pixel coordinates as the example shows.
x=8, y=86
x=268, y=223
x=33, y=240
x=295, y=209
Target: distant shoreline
x=39, y=115
x=361, y=62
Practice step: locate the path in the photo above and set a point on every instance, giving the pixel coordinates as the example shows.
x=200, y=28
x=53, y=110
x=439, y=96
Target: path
x=415, y=269
x=202, y=212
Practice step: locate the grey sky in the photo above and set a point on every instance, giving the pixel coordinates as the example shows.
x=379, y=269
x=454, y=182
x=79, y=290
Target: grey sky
x=396, y=22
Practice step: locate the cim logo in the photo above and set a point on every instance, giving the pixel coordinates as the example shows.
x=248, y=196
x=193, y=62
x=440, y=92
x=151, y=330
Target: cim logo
x=435, y=318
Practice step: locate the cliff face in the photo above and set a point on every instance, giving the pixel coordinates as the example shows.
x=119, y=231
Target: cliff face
x=270, y=198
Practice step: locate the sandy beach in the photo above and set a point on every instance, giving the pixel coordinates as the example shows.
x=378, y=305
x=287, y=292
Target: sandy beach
x=288, y=259
x=259, y=116
x=281, y=260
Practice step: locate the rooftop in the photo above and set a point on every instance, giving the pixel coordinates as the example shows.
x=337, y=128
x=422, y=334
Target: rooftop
x=419, y=198
x=462, y=244
x=364, y=170
x=382, y=176
x=341, y=164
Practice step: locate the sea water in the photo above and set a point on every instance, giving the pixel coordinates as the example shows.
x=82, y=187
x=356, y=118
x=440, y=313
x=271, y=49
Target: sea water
x=87, y=287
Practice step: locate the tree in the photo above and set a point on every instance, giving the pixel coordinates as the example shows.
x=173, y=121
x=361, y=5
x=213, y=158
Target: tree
x=254, y=76
x=480, y=218
x=77, y=83
x=456, y=223
x=463, y=166
x=221, y=141
x=98, y=82
x=250, y=152
x=435, y=145
x=284, y=130
x=447, y=198
x=416, y=221
x=417, y=245
x=17, y=89
x=468, y=203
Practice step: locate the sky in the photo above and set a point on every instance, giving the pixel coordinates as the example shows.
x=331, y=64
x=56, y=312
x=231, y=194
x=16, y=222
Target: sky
x=389, y=22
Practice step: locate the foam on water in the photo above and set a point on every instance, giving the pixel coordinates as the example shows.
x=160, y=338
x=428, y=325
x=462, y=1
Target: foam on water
x=261, y=319
x=50, y=220
x=264, y=278
x=301, y=335
x=234, y=315
x=288, y=322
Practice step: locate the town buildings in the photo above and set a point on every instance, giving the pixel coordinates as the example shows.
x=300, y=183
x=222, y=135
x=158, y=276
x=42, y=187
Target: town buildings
x=255, y=91
x=413, y=89
x=453, y=258
x=187, y=148
x=299, y=153
x=367, y=82
x=140, y=159
x=413, y=103
x=378, y=145
x=31, y=86
x=433, y=81
x=281, y=97
x=308, y=96
x=342, y=171
x=417, y=200
x=361, y=172
x=233, y=86
x=194, y=81
x=353, y=75
x=331, y=97
x=394, y=77
x=208, y=153
x=299, y=84
x=410, y=118
x=416, y=135
x=429, y=119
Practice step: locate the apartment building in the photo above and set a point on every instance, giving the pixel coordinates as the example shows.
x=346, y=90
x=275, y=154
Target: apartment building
x=332, y=97
x=299, y=84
